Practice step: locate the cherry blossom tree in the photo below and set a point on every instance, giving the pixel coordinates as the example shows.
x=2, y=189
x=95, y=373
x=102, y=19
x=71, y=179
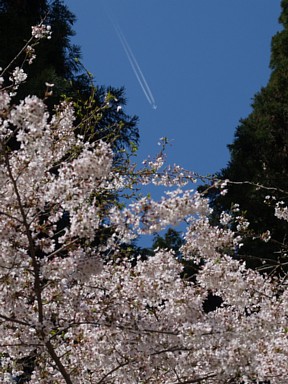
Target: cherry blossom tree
x=80, y=313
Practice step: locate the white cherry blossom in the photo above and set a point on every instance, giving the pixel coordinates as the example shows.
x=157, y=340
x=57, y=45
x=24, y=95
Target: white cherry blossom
x=84, y=314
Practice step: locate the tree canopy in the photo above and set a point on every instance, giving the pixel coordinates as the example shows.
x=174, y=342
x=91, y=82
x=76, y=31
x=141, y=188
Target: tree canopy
x=72, y=314
x=259, y=157
x=58, y=62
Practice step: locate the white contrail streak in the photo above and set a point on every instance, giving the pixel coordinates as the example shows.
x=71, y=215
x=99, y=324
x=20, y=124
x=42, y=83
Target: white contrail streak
x=136, y=68
x=134, y=63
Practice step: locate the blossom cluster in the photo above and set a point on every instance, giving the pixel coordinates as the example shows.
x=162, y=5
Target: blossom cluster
x=41, y=31
x=281, y=211
x=83, y=314
x=18, y=76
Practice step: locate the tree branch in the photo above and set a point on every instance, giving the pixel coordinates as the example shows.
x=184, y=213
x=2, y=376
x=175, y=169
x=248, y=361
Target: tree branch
x=37, y=280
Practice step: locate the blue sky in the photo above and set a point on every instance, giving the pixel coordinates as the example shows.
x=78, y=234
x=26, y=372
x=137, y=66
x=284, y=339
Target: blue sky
x=203, y=60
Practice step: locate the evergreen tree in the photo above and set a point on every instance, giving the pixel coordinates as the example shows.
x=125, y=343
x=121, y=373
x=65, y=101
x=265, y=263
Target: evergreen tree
x=259, y=155
x=171, y=240
x=54, y=63
x=58, y=63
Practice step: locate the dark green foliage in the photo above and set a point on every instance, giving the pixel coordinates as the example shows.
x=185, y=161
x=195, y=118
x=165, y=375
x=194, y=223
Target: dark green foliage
x=55, y=58
x=259, y=155
x=171, y=240
x=58, y=62
x=101, y=110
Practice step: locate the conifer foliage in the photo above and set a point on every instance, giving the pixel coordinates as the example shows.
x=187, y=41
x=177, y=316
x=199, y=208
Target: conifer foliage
x=259, y=158
x=72, y=314
x=58, y=62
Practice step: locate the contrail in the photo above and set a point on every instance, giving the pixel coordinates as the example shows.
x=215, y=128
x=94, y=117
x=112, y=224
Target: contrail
x=134, y=64
x=136, y=68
